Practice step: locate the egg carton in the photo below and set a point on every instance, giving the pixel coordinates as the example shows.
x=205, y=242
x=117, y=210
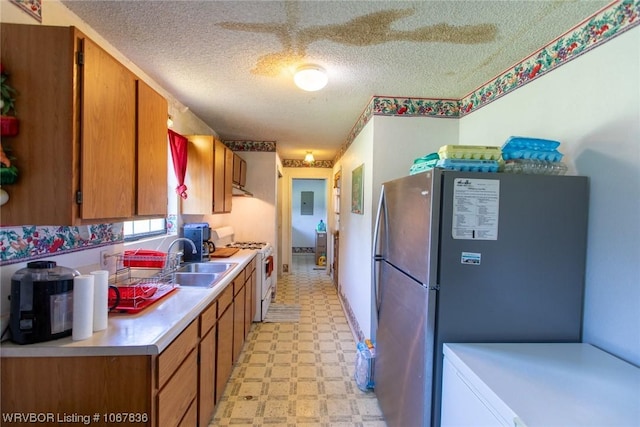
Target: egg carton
x=526, y=143
x=517, y=147
x=548, y=156
x=469, y=165
x=469, y=152
x=424, y=163
x=534, y=167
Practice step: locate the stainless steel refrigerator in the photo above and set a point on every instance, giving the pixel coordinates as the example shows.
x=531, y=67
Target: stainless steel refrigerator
x=471, y=257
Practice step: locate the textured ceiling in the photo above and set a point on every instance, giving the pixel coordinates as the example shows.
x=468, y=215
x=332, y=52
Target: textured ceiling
x=231, y=62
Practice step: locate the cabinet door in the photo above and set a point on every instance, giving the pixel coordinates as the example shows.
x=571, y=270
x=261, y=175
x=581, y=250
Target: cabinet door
x=108, y=134
x=46, y=194
x=228, y=179
x=224, y=347
x=219, y=191
x=250, y=300
x=207, y=389
x=238, y=322
x=151, y=152
x=177, y=396
x=236, y=168
x=243, y=172
x=199, y=176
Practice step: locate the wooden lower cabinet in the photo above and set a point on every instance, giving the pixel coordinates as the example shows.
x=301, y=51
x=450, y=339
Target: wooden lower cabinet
x=55, y=386
x=238, y=321
x=191, y=417
x=177, y=396
x=224, y=359
x=178, y=387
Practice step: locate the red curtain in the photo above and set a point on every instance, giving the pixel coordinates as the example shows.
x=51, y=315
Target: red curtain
x=178, y=144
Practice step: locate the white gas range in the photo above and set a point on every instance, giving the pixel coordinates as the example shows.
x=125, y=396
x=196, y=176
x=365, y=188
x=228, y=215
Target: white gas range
x=265, y=280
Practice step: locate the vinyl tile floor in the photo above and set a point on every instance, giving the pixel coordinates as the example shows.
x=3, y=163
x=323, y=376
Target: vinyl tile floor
x=297, y=374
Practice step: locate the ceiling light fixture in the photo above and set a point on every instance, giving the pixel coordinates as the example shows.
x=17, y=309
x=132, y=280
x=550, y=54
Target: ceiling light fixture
x=310, y=77
x=308, y=159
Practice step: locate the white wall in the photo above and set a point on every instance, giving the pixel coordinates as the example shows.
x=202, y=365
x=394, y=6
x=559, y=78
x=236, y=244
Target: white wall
x=592, y=106
x=387, y=146
x=303, y=226
x=398, y=141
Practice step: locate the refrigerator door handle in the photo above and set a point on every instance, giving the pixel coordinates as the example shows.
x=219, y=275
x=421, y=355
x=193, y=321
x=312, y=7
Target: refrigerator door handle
x=376, y=249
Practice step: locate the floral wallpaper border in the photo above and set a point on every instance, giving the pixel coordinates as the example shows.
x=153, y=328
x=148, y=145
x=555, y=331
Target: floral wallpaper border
x=29, y=242
x=20, y=244
x=612, y=21
x=262, y=146
x=299, y=163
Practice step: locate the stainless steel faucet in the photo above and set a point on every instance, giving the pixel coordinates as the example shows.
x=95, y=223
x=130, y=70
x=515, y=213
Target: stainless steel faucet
x=183, y=239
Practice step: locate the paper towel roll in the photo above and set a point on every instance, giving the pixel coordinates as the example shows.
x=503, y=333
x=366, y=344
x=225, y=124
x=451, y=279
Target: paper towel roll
x=223, y=232
x=82, y=326
x=100, y=300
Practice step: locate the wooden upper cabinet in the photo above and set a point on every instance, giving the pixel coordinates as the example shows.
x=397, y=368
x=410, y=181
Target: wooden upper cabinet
x=243, y=172
x=199, y=175
x=151, y=152
x=228, y=178
x=76, y=149
x=209, y=176
x=239, y=170
x=219, y=185
x=108, y=135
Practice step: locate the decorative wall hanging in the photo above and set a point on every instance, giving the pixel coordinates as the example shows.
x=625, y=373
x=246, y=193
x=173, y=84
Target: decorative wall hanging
x=8, y=128
x=357, y=188
x=32, y=7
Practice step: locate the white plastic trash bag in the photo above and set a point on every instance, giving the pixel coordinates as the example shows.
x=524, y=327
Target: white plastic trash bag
x=365, y=361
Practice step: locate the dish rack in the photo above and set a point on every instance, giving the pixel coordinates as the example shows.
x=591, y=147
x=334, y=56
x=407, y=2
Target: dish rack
x=141, y=277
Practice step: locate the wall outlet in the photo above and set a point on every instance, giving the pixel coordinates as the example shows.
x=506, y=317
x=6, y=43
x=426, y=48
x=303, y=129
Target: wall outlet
x=108, y=261
x=285, y=268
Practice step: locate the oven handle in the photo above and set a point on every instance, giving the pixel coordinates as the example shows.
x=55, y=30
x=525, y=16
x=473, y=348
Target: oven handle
x=268, y=266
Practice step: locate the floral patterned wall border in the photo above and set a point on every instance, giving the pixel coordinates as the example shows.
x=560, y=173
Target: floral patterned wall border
x=294, y=163
x=611, y=21
x=26, y=243
x=32, y=7
x=262, y=146
x=601, y=27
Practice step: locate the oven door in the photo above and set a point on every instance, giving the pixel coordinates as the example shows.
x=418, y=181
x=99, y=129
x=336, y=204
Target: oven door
x=267, y=273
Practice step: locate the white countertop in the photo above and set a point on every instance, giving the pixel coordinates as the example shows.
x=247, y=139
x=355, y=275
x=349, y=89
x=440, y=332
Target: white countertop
x=559, y=384
x=145, y=333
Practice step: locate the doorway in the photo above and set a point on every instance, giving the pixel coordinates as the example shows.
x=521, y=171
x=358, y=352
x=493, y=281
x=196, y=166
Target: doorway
x=309, y=219
x=323, y=205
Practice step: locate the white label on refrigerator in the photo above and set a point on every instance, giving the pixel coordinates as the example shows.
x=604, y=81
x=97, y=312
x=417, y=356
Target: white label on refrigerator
x=470, y=258
x=475, y=209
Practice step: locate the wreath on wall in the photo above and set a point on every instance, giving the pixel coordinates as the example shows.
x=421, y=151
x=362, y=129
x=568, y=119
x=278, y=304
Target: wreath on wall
x=9, y=126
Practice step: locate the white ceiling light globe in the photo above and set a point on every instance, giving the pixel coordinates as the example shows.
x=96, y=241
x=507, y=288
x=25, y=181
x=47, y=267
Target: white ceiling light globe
x=310, y=78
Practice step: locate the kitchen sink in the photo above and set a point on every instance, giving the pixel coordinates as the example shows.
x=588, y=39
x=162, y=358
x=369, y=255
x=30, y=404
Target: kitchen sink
x=207, y=267
x=202, y=274
x=200, y=280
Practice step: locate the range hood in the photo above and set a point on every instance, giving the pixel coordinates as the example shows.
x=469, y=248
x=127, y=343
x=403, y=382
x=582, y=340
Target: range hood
x=238, y=191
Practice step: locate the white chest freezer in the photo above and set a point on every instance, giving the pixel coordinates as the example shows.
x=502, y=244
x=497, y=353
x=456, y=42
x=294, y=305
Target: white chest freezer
x=538, y=385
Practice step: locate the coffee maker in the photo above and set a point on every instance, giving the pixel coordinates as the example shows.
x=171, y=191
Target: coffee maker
x=199, y=233
x=41, y=302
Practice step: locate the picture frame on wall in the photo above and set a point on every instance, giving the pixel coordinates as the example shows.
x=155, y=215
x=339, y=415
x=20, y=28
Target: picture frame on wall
x=357, y=188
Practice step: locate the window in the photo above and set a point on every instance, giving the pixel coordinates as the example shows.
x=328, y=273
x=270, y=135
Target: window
x=134, y=230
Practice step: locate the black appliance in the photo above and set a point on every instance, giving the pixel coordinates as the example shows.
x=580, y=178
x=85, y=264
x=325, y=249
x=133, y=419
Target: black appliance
x=200, y=234
x=41, y=302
